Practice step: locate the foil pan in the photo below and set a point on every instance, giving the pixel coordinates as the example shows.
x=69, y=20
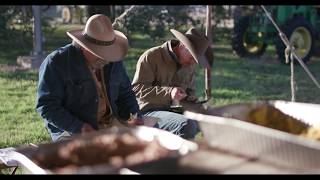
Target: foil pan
x=226, y=128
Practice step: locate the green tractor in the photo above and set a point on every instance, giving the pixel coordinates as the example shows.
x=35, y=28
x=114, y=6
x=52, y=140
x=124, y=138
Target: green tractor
x=253, y=32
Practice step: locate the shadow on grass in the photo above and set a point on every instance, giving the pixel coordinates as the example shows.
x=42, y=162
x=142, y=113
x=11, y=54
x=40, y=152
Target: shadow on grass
x=17, y=94
x=20, y=75
x=11, y=52
x=237, y=79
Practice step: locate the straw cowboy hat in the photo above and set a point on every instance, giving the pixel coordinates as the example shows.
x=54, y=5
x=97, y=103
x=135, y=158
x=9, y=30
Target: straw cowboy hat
x=196, y=43
x=99, y=38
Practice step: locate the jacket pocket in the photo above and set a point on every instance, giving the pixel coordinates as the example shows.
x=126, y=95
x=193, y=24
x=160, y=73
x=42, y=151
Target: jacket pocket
x=80, y=92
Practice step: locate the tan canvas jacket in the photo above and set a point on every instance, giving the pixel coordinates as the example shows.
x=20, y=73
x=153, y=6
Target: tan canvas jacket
x=157, y=73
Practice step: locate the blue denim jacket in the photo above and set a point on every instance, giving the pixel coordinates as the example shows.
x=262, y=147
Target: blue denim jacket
x=67, y=95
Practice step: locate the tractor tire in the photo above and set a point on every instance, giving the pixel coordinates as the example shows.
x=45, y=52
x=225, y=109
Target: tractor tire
x=301, y=35
x=240, y=43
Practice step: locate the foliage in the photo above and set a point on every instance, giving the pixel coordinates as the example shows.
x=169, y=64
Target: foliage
x=219, y=13
x=15, y=21
x=156, y=20
x=241, y=11
x=79, y=14
x=91, y=10
x=16, y=26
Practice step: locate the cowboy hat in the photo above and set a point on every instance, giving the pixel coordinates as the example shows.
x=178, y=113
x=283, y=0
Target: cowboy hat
x=99, y=38
x=196, y=43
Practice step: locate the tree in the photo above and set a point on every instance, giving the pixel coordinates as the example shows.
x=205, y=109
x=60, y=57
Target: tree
x=15, y=24
x=156, y=20
x=106, y=10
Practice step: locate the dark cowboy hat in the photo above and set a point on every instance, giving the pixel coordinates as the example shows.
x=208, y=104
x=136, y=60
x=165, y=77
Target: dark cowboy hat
x=196, y=42
x=101, y=39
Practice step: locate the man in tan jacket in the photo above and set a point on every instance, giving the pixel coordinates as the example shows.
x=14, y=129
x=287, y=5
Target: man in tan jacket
x=165, y=75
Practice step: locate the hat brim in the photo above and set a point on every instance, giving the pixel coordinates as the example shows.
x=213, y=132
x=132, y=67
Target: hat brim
x=112, y=53
x=200, y=58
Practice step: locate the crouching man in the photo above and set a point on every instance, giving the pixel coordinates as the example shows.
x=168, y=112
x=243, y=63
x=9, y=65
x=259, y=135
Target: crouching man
x=165, y=75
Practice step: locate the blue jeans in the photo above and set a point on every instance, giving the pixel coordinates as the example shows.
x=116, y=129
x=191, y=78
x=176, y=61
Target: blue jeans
x=175, y=123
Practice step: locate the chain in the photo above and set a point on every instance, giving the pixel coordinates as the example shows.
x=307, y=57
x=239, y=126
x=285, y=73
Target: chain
x=289, y=52
x=292, y=81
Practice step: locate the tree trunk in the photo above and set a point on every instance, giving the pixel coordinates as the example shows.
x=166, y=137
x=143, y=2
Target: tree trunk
x=37, y=35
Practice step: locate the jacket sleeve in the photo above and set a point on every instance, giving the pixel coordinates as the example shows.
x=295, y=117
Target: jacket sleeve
x=127, y=102
x=50, y=96
x=143, y=83
x=192, y=83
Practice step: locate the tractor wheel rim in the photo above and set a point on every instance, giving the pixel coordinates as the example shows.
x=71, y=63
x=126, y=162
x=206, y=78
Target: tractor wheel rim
x=251, y=47
x=301, y=41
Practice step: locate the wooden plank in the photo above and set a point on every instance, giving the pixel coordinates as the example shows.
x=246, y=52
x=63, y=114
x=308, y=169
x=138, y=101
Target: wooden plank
x=213, y=161
x=209, y=161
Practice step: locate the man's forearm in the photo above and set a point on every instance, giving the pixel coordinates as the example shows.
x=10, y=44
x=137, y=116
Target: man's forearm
x=60, y=117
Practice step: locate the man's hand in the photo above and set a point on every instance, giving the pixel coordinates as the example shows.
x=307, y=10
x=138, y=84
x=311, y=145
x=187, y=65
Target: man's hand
x=191, y=98
x=178, y=93
x=86, y=128
x=135, y=122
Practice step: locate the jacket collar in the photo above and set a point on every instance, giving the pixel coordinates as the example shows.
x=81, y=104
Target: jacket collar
x=167, y=46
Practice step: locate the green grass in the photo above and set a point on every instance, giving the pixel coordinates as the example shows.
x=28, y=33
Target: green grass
x=20, y=124
x=234, y=80
x=10, y=52
x=238, y=80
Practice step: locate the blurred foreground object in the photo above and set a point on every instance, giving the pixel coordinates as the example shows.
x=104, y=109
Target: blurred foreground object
x=112, y=151
x=232, y=128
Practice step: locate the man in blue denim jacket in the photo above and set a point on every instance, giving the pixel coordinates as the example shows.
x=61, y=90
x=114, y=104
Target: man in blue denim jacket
x=83, y=84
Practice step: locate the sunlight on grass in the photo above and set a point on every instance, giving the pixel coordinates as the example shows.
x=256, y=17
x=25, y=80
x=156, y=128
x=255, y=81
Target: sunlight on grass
x=20, y=123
